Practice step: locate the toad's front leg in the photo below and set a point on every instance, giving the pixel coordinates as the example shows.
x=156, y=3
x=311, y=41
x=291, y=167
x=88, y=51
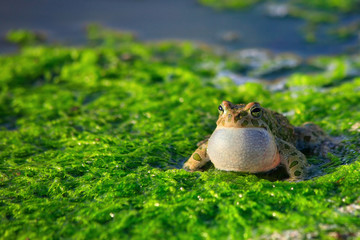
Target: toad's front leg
x=294, y=160
x=198, y=159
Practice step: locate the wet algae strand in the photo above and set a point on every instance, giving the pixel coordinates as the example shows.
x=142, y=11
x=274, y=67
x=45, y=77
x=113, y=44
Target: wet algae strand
x=93, y=138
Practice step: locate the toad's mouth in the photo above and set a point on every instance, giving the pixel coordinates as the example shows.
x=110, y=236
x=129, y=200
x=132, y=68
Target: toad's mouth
x=243, y=150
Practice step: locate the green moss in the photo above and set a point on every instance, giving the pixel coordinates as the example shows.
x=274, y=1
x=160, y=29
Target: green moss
x=100, y=35
x=228, y=4
x=92, y=140
x=24, y=37
x=342, y=6
x=312, y=16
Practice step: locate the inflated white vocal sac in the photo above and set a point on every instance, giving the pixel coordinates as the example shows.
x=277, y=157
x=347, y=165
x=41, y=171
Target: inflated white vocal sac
x=243, y=150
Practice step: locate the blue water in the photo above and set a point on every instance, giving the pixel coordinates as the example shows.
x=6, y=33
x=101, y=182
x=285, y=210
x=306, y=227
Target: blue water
x=65, y=21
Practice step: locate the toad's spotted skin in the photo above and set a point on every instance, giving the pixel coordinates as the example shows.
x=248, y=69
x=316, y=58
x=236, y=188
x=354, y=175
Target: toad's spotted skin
x=250, y=138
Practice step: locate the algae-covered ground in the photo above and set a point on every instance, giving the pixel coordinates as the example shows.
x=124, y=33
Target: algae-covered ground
x=343, y=6
x=92, y=140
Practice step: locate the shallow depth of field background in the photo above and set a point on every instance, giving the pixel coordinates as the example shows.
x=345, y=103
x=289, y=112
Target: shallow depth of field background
x=101, y=102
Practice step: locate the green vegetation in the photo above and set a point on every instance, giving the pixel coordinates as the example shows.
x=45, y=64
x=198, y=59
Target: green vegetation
x=333, y=5
x=24, y=37
x=229, y=4
x=92, y=140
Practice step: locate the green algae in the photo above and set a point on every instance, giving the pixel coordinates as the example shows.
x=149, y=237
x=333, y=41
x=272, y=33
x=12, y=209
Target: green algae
x=24, y=37
x=229, y=4
x=333, y=5
x=92, y=140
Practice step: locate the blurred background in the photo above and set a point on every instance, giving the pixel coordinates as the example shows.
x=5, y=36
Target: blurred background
x=281, y=26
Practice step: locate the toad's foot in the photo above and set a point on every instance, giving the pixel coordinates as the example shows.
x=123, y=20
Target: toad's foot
x=294, y=161
x=198, y=159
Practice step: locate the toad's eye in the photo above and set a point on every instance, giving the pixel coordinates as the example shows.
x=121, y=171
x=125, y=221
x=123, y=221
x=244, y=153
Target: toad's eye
x=256, y=112
x=220, y=108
